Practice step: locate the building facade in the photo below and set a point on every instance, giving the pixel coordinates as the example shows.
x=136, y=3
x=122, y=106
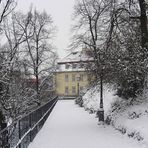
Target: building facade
x=71, y=78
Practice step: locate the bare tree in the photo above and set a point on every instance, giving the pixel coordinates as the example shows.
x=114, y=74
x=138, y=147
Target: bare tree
x=91, y=30
x=6, y=7
x=128, y=39
x=116, y=34
x=142, y=17
x=13, y=92
x=38, y=49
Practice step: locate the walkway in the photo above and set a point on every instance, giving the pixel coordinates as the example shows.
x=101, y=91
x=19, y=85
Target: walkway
x=69, y=126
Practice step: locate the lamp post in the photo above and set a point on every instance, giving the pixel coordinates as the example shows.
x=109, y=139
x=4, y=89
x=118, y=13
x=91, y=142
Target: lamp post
x=78, y=85
x=100, y=112
x=79, y=97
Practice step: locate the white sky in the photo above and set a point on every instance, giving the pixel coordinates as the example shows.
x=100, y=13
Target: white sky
x=61, y=12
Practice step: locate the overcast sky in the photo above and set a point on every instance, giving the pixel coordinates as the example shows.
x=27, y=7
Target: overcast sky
x=61, y=12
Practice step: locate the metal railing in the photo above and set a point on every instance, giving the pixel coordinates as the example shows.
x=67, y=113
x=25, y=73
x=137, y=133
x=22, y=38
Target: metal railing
x=20, y=133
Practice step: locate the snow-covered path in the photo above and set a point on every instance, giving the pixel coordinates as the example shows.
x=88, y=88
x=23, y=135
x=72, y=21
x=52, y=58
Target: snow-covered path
x=69, y=126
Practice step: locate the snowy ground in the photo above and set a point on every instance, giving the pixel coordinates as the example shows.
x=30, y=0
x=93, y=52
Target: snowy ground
x=129, y=119
x=69, y=126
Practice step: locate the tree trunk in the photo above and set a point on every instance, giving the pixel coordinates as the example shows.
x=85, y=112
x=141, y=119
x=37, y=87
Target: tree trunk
x=143, y=21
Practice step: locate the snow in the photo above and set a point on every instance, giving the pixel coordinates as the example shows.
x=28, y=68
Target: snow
x=69, y=126
x=61, y=68
x=77, y=58
x=92, y=98
x=132, y=118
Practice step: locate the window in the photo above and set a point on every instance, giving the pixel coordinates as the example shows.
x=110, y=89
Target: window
x=66, y=78
x=81, y=88
x=81, y=65
x=74, y=66
x=85, y=77
x=73, y=78
x=67, y=66
x=78, y=78
x=81, y=77
x=66, y=90
x=73, y=90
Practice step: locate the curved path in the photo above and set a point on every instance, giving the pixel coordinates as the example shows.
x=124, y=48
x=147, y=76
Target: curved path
x=69, y=126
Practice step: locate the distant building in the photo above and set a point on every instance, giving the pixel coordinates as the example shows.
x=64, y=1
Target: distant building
x=71, y=78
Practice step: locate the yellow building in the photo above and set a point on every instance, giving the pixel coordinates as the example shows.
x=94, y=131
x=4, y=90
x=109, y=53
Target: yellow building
x=71, y=78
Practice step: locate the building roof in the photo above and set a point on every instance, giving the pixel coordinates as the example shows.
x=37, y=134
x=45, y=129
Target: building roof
x=76, y=57
x=75, y=61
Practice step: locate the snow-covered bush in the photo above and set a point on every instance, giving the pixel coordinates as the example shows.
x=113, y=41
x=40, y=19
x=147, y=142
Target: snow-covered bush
x=79, y=101
x=91, y=99
x=130, y=118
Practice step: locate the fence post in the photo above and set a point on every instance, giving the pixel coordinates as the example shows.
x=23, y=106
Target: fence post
x=19, y=124
x=30, y=124
x=26, y=127
x=5, y=141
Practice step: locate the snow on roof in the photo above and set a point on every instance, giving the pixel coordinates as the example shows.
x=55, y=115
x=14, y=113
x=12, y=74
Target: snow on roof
x=76, y=56
x=75, y=61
